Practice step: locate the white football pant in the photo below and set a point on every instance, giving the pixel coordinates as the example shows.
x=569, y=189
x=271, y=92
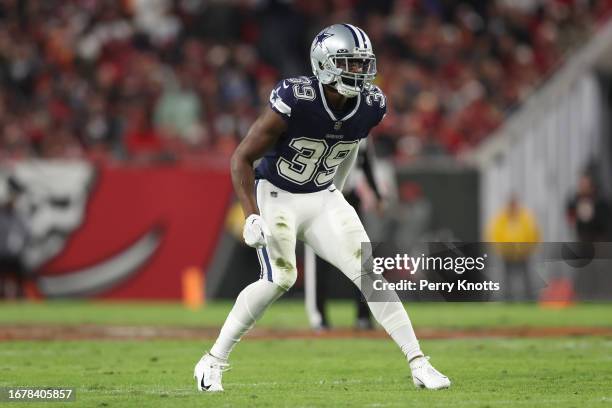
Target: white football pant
x=324, y=220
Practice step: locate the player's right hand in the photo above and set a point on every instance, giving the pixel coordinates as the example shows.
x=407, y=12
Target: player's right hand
x=255, y=231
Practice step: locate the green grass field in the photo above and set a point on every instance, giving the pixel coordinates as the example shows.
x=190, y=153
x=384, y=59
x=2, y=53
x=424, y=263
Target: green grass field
x=486, y=372
x=291, y=314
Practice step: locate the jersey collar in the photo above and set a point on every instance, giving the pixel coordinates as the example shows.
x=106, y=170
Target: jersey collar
x=329, y=111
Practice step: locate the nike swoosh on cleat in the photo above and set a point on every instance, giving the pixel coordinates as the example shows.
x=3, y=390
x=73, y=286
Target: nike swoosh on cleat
x=204, y=386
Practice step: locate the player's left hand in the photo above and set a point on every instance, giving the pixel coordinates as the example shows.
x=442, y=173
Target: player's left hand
x=255, y=231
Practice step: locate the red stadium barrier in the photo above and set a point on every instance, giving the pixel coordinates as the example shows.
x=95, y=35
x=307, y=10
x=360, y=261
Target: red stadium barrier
x=142, y=227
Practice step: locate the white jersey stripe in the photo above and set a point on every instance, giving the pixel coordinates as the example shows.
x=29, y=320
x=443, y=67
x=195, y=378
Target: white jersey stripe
x=282, y=107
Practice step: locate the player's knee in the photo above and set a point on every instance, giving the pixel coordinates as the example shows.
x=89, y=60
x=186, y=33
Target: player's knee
x=355, y=261
x=286, y=273
x=286, y=282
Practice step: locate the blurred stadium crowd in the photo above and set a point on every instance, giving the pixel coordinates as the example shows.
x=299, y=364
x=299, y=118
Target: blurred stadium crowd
x=160, y=79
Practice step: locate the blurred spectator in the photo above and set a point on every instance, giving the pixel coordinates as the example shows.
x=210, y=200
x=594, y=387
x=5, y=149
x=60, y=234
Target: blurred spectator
x=515, y=232
x=178, y=111
x=141, y=138
x=452, y=70
x=13, y=238
x=588, y=212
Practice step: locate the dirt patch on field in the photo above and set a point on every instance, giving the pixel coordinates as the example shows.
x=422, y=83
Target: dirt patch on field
x=106, y=332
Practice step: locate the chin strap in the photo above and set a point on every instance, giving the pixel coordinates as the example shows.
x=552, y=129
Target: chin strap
x=338, y=86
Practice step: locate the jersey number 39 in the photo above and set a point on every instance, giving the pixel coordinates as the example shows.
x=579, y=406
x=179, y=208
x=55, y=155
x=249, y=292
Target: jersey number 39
x=314, y=160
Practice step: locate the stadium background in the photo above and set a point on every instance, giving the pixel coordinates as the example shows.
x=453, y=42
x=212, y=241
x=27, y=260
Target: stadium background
x=118, y=118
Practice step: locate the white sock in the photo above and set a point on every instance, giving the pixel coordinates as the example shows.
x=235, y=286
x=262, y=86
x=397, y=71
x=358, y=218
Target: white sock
x=392, y=316
x=250, y=305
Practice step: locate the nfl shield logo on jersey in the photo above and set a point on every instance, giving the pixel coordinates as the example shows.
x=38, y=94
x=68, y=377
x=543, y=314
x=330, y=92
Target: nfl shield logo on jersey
x=337, y=125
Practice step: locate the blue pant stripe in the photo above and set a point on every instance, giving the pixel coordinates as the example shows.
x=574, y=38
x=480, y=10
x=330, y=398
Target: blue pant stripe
x=261, y=264
x=264, y=251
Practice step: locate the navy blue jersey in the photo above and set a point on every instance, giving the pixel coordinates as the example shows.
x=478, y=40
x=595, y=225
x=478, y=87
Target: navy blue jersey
x=306, y=156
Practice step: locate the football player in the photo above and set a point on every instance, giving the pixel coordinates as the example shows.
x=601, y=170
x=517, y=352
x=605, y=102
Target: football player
x=308, y=140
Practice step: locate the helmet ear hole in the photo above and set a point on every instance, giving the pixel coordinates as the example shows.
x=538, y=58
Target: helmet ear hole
x=321, y=65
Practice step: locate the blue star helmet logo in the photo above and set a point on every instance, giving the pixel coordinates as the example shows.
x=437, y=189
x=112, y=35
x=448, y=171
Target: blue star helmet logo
x=322, y=37
x=274, y=97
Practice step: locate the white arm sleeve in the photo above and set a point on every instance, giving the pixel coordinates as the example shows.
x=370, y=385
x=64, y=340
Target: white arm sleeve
x=345, y=168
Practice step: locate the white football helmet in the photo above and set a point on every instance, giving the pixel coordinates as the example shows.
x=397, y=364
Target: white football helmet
x=342, y=56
